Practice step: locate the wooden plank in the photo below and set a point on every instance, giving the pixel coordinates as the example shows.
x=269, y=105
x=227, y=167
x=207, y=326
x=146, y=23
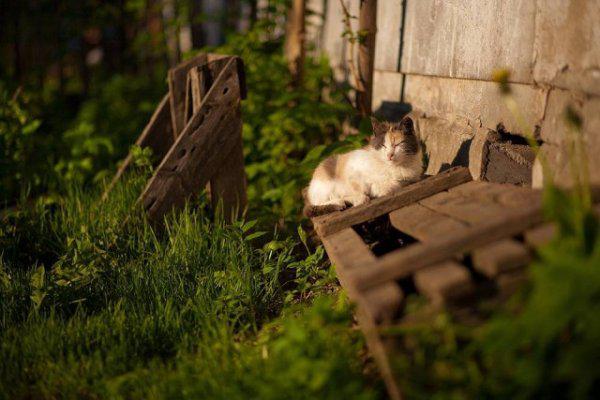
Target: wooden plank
x=336, y=221
x=469, y=210
x=347, y=251
x=540, y=235
x=423, y=223
x=228, y=185
x=499, y=257
x=444, y=281
x=199, y=151
x=407, y=261
x=503, y=194
x=177, y=79
x=157, y=135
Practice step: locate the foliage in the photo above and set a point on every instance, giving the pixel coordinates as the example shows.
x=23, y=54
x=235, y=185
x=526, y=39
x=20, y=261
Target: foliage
x=286, y=129
x=21, y=144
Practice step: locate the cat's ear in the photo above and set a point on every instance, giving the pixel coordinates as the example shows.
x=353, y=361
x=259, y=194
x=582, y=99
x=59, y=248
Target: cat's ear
x=406, y=126
x=379, y=128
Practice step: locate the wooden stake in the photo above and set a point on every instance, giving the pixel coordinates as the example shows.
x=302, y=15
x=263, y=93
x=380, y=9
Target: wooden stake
x=295, y=50
x=367, y=30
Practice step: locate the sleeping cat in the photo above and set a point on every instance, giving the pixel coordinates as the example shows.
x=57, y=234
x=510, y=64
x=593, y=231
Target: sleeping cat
x=391, y=160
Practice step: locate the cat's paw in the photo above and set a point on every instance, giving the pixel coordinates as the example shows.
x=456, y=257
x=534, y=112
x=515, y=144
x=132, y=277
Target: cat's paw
x=380, y=190
x=359, y=199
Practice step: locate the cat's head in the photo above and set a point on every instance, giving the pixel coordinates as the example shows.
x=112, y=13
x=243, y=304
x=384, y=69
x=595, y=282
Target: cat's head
x=396, y=141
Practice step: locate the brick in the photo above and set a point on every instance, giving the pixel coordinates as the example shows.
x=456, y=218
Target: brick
x=389, y=31
x=479, y=102
x=469, y=38
x=567, y=44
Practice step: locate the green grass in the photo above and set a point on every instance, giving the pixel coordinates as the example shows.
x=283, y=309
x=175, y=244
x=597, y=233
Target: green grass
x=202, y=310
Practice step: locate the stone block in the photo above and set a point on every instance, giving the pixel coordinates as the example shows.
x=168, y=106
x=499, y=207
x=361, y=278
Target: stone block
x=478, y=102
x=446, y=143
x=567, y=44
x=389, y=32
x=469, y=38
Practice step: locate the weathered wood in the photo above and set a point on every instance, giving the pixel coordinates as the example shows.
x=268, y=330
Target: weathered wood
x=423, y=223
x=509, y=282
x=540, y=235
x=502, y=194
x=347, y=251
x=336, y=221
x=177, y=79
x=227, y=188
x=157, y=135
x=228, y=185
x=444, y=281
x=208, y=136
x=404, y=262
x=499, y=257
x=367, y=26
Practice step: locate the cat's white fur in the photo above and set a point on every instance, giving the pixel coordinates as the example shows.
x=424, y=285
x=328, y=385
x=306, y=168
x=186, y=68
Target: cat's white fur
x=367, y=173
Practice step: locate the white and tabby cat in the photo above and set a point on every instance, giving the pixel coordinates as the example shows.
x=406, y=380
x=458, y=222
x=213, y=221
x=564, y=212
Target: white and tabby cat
x=391, y=160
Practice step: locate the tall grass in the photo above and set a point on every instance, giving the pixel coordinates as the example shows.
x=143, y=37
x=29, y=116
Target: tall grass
x=117, y=310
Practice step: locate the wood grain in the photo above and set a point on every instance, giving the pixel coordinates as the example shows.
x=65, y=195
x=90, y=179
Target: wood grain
x=336, y=221
x=423, y=223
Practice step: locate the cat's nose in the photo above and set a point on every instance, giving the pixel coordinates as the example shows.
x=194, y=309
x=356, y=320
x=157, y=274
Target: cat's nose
x=390, y=156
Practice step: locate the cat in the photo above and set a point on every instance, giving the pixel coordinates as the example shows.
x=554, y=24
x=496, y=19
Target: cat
x=392, y=159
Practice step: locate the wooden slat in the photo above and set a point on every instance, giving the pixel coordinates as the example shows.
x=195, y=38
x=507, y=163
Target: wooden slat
x=470, y=210
x=348, y=252
x=499, y=257
x=177, y=79
x=200, y=149
x=404, y=262
x=502, y=194
x=336, y=221
x=444, y=281
x=540, y=235
x=157, y=135
x=423, y=224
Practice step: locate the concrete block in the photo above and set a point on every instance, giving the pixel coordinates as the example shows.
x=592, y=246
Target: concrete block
x=387, y=91
x=478, y=102
x=469, y=38
x=478, y=152
x=567, y=44
x=446, y=143
x=389, y=31
x=557, y=134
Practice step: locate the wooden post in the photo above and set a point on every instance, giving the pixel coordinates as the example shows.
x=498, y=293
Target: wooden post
x=295, y=36
x=367, y=29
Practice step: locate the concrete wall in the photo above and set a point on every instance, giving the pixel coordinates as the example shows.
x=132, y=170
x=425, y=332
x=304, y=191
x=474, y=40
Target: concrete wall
x=437, y=57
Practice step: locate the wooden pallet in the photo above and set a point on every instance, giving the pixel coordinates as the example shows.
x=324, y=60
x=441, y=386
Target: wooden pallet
x=195, y=133
x=447, y=237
